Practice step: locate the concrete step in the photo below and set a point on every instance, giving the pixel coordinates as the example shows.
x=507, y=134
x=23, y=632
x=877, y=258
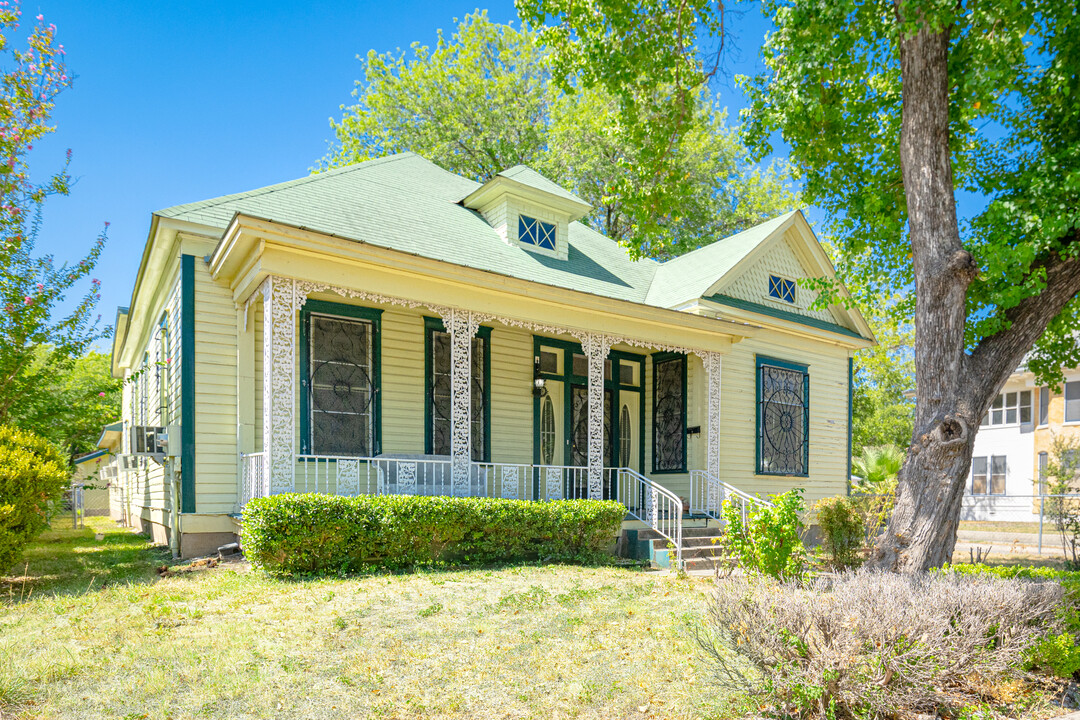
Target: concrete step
x=699, y=564
x=688, y=532
x=688, y=542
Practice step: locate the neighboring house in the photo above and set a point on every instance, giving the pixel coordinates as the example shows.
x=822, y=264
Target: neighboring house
x=1013, y=446
x=391, y=327
x=93, y=474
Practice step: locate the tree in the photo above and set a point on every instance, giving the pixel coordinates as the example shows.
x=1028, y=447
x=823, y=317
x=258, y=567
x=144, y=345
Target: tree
x=882, y=406
x=1063, y=478
x=485, y=99
x=35, y=344
x=891, y=108
x=73, y=406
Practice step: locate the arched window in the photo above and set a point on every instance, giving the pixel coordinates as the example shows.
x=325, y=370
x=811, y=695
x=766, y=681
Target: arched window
x=624, y=437
x=547, y=432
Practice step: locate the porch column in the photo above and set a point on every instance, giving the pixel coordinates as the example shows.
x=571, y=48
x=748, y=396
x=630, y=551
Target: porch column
x=595, y=348
x=461, y=326
x=712, y=363
x=279, y=383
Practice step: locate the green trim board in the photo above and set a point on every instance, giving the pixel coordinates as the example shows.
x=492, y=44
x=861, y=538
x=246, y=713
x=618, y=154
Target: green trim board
x=659, y=358
x=759, y=362
x=89, y=456
x=850, y=414
x=187, y=383
x=431, y=325
x=782, y=314
x=357, y=312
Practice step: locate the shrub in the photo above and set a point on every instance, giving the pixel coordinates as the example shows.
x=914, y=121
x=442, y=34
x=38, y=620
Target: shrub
x=1057, y=653
x=33, y=475
x=769, y=540
x=312, y=534
x=842, y=531
x=871, y=644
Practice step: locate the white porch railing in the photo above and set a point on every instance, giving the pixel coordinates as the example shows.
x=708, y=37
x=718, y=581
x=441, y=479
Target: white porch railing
x=708, y=493
x=654, y=505
x=252, y=477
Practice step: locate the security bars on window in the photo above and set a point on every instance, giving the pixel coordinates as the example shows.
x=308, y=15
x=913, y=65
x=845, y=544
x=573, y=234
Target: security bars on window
x=783, y=421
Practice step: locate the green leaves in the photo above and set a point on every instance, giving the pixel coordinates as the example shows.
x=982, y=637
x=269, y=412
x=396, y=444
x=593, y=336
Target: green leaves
x=493, y=96
x=319, y=534
x=33, y=475
x=769, y=540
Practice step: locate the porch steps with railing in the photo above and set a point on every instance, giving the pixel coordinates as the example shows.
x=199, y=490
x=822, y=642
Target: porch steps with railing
x=700, y=545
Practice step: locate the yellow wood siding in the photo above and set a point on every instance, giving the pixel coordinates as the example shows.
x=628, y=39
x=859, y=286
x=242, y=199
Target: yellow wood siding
x=780, y=259
x=215, y=395
x=511, y=395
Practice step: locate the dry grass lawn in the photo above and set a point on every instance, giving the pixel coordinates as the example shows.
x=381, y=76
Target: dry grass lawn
x=82, y=638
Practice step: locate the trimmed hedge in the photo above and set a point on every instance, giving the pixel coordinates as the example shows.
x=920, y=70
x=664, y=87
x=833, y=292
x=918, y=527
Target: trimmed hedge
x=314, y=534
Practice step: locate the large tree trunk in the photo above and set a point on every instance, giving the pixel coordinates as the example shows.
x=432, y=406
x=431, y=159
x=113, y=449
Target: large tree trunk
x=923, y=528
x=953, y=388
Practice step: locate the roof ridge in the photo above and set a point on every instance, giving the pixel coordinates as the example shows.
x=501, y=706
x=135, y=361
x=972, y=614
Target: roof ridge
x=275, y=187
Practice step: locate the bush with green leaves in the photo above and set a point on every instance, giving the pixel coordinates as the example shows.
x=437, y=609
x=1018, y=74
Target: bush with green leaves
x=769, y=539
x=33, y=476
x=320, y=534
x=1058, y=653
x=842, y=531
x=875, y=645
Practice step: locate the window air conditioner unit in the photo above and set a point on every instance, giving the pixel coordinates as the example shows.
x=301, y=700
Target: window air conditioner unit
x=108, y=472
x=153, y=441
x=127, y=462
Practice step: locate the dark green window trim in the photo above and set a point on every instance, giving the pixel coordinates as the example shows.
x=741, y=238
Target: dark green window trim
x=568, y=379
x=432, y=324
x=759, y=361
x=187, y=383
x=325, y=307
x=659, y=358
x=782, y=314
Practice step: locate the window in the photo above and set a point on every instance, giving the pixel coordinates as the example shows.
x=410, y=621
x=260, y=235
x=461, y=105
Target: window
x=340, y=379
x=783, y=418
x=1044, y=459
x=547, y=432
x=988, y=478
x=669, y=413
x=536, y=232
x=1009, y=408
x=1072, y=401
x=782, y=289
x=624, y=437
x=1044, y=405
x=437, y=370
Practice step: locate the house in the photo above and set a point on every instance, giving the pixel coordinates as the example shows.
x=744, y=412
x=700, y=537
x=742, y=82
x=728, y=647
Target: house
x=1014, y=444
x=93, y=476
x=390, y=327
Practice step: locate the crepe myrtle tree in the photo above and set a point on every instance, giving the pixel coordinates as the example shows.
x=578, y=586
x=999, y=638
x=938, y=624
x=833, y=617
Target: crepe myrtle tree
x=35, y=341
x=891, y=108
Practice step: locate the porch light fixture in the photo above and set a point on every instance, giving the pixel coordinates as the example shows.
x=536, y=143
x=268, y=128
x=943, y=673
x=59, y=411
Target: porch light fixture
x=538, y=381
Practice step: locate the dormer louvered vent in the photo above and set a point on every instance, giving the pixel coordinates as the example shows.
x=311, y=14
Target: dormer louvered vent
x=528, y=210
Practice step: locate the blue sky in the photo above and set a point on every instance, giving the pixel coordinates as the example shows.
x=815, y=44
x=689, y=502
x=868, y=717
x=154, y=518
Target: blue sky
x=178, y=102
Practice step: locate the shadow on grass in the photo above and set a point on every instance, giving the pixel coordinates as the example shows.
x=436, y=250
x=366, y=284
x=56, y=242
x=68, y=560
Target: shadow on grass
x=68, y=561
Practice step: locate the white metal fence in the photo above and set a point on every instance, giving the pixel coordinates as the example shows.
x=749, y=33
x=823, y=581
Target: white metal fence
x=708, y=493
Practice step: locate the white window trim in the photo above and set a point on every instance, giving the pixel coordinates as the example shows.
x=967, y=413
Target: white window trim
x=1034, y=406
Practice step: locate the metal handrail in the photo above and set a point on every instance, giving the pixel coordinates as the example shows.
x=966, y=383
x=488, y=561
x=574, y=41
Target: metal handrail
x=708, y=494
x=653, y=504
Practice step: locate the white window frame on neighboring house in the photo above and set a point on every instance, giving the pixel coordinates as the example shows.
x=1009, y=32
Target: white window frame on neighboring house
x=989, y=475
x=1072, y=395
x=1013, y=407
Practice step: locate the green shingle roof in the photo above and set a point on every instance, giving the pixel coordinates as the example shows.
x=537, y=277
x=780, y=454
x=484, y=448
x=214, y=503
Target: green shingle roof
x=409, y=204
x=527, y=176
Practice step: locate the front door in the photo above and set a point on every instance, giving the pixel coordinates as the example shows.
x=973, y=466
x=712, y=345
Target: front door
x=579, y=440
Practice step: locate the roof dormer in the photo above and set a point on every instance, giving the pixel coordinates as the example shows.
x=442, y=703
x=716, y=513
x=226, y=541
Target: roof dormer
x=528, y=210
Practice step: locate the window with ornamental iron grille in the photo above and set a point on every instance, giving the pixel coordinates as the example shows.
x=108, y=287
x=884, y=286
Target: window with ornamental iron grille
x=342, y=386
x=439, y=412
x=669, y=414
x=783, y=419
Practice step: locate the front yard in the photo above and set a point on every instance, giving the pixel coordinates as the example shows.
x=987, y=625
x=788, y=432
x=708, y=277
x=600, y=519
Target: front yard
x=93, y=632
